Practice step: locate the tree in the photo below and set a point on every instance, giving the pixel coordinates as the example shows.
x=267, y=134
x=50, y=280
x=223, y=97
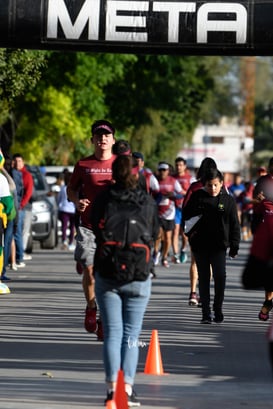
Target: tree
x=154, y=101
x=53, y=121
x=19, y=71
x=158, y=102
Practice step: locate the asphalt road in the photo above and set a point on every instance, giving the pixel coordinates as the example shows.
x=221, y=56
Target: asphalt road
x=48, y=361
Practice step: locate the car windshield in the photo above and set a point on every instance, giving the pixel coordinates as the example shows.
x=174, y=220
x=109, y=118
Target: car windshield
x=39, y=181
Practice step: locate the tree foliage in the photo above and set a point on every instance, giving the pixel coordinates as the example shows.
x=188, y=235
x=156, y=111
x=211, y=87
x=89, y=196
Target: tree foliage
x=154, y=101
x=20, y=70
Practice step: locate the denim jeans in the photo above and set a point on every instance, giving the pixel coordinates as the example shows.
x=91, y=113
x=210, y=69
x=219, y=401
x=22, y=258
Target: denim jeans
x=215, y=261
x=7, y=244
x=122, y=308
x=18, y=236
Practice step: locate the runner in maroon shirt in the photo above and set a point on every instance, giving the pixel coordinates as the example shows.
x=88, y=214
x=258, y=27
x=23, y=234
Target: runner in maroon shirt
x=91, y=175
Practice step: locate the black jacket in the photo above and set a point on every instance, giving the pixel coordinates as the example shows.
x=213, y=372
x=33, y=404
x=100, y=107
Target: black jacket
x=219, y=227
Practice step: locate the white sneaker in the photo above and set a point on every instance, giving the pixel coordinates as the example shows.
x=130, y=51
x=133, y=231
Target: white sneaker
x=13, y=267
x=71, y=247
x=64, y=245
x=157, y=258
x=27, y=256
x=20, y=264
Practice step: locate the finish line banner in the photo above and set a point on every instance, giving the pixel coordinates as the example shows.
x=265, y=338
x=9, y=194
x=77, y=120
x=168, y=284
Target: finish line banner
x=132, y=26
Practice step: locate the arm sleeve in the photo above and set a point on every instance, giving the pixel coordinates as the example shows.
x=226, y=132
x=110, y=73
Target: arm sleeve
x=28, y=189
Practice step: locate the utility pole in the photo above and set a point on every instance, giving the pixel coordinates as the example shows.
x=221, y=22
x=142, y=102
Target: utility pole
x=248, y=82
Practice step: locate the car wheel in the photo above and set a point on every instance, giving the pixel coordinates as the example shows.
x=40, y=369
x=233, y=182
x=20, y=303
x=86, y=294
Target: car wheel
x=29, y=246
x=50, y=242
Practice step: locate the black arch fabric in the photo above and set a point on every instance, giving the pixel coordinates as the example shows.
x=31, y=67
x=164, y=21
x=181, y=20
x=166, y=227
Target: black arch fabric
x=162, y=27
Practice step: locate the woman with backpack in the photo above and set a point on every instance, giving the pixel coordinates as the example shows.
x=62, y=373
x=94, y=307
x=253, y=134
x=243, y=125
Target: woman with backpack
x=125, y=224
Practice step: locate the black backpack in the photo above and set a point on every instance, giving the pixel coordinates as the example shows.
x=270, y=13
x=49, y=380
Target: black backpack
x=124, y=253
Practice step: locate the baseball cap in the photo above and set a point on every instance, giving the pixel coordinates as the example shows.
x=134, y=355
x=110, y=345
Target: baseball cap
x=138, y=155
x=102, y=126
x=163, y=166
x=261, y=169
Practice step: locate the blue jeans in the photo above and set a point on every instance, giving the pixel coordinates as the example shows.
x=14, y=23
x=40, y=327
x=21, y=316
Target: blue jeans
x=7, y=244
x=18, y=236
x=122, y=308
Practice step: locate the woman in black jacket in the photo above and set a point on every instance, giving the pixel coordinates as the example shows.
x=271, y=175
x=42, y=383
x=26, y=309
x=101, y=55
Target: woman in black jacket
x=216, y=230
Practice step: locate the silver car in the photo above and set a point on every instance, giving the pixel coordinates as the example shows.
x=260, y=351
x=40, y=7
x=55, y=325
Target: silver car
x=44, y=212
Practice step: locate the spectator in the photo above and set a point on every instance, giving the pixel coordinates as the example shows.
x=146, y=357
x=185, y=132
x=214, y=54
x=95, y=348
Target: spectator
x=66, y=215
x=25, y=211
x=6, y=207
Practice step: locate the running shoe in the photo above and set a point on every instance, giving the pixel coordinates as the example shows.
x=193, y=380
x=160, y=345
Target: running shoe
x=4, y=278
x=183, y=257
x=132, y=400
x=175, y=259
x=193, y=299
x=13, y=267
x=90, y=321
x=206, y=320
x=156, y=258
x=109, y=396
x=265, y=310
x=165, y=263
x=218, y=317
x=20, y=264
x=27, y=256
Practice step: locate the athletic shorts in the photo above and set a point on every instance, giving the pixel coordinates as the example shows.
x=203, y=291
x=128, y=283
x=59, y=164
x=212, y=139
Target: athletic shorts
x=166, y=225
x=178, y=215
x=85, y=246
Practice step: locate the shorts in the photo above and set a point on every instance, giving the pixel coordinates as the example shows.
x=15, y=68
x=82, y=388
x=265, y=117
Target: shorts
x=178, y=215
x=167, y=225
x=85, y=246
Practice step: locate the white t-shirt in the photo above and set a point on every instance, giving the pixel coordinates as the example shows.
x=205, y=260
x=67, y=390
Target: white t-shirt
x=4, y=186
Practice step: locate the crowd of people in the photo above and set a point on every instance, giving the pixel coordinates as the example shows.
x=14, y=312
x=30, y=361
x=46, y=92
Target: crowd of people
x=15, y=235
x=198, y=216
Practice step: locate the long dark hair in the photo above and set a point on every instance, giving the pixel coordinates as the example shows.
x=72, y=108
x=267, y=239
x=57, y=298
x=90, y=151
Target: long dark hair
x=122, y=172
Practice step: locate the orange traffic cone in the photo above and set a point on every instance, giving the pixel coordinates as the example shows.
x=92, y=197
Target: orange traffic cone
x=120, y=396
x=111, y=404
x=153, y=364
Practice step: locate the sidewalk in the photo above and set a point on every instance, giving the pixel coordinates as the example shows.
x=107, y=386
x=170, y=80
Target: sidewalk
x=48, y=361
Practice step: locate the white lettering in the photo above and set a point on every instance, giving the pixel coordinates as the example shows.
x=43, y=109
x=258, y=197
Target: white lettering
x=204, y=25
x=174, y=9
x=126, y=20
x=113, y=21
x=57, y=12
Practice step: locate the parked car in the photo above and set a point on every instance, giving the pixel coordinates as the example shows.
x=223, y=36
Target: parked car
x=44, y=213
